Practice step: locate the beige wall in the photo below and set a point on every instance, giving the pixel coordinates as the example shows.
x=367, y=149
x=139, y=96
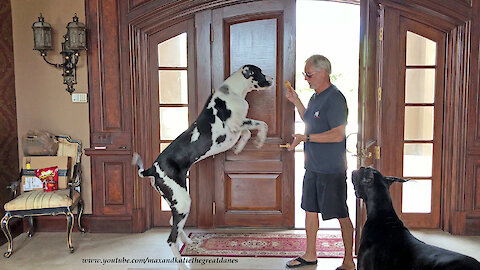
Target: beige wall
x=42, y=101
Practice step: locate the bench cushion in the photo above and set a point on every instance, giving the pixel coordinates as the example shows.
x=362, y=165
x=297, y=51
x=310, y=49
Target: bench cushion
x=41, y=199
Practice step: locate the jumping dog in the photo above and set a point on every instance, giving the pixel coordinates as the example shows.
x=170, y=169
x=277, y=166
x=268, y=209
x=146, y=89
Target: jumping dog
x=222, y=125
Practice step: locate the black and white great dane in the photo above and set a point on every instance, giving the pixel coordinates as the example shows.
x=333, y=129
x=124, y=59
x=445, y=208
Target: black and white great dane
x=222, y=125
x=386, y=244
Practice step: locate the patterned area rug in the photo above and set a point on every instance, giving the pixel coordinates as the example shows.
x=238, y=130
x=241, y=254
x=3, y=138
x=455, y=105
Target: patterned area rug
x=260, y=245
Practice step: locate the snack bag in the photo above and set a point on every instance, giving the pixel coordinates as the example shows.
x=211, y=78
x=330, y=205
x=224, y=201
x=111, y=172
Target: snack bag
x=49, y=177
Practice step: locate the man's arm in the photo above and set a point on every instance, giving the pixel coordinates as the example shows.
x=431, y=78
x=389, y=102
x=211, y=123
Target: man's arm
x=330, y=136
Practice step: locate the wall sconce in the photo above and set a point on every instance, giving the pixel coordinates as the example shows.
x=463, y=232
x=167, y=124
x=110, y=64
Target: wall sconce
x=75, y=41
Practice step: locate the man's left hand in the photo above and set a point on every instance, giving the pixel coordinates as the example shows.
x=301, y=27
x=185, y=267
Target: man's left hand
x=297, y=139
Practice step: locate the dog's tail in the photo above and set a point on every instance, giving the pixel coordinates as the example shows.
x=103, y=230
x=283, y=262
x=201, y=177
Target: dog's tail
x=137, y=160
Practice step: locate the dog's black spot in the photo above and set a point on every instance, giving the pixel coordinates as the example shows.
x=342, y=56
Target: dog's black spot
x=221, y=138
x=224, y=89
x=222, y=112
x=247, y=122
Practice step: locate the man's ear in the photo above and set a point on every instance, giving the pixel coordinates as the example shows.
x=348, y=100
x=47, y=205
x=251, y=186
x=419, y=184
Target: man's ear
x=391, y=179
x=247, y=73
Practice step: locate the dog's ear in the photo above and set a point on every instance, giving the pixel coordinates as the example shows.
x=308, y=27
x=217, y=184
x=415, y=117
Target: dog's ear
x=247, y=72
x=391, y=179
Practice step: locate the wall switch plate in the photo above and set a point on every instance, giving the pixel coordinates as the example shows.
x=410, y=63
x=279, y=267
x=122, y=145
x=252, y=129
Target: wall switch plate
x=79, y=97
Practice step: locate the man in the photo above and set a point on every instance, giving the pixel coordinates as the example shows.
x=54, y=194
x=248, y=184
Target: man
x=324, y=183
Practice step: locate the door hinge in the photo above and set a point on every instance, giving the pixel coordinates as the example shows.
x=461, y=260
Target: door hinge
x=379, y=93
x=380, y=34
x=211, y=33
x=377, y=152
x=214, y=208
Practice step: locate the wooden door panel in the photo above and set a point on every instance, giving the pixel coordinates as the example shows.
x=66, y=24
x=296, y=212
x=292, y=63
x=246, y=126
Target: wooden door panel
x=259, y=192
x=255, y=188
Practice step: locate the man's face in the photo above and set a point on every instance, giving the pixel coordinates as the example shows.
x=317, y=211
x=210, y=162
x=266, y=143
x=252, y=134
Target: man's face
x=314, y=77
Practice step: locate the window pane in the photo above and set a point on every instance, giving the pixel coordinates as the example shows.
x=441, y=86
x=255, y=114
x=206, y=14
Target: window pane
x=417, y=159
x=163, y=146
x=164, y=205
x=420, y=85
x=419, y=123
x=420, y=50
x=173, y=52
x=172, y=86
x=173, y=121
x=417, y=196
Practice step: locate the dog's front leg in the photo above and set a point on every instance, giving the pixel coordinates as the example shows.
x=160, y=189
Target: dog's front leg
x=262, y=127
x=244, y=137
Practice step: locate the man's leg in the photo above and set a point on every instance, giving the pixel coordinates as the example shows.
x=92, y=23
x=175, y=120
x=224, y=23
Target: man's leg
x=347, y=236
x=311, y=226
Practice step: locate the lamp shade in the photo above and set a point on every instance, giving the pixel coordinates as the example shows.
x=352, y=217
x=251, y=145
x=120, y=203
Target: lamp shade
x=42, y=35
x=76, y=35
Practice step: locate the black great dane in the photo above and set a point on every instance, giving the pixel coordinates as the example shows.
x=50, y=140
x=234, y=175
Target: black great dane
x=222, y=125
x=386, y=244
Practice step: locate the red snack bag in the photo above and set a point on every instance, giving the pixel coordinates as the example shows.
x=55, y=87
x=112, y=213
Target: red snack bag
x=49, y=177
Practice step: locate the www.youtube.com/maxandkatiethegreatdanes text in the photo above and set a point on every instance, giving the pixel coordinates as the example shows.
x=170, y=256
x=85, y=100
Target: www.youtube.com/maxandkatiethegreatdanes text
x=147, y=260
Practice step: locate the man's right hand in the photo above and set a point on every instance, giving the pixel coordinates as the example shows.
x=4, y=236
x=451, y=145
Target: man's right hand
x=291, y=95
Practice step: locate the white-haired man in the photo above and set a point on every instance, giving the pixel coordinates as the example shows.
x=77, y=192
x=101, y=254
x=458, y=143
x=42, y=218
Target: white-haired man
x=324, y=183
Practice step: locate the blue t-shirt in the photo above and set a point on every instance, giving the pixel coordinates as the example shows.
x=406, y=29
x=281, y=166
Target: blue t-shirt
x=324, y=112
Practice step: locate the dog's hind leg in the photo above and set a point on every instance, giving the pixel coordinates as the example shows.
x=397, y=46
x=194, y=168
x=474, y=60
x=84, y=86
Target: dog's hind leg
x=172, y=239
x=185, y=239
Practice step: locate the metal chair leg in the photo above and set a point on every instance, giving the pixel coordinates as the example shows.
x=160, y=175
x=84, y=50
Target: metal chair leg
x=80, y=213
x=31, y=231
x=6, y=231
x=70, y=220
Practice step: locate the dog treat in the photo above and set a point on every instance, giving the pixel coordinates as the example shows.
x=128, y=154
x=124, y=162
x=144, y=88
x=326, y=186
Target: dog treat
x=49, y=177
x=288, y=84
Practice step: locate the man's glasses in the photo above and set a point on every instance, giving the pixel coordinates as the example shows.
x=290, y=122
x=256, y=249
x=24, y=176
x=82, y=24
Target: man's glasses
x=308, y=75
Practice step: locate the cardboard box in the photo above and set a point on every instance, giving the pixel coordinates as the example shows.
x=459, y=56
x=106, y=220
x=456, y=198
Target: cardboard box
x=30, y=164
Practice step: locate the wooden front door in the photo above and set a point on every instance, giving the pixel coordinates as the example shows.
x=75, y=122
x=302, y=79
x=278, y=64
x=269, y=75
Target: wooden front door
x=369, y=98
x=255, y=187
x=173, y=95
x=416, y=84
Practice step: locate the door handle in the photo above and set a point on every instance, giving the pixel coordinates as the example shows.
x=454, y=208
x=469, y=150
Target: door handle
x=285, y=145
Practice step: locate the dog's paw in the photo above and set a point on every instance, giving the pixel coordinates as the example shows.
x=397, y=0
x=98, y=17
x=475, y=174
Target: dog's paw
x=259, y=141
x=261, y=136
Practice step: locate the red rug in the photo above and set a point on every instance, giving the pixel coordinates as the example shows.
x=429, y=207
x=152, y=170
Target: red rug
x=260, y=245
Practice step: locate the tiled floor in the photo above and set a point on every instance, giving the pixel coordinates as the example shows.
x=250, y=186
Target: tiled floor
x=49, y=251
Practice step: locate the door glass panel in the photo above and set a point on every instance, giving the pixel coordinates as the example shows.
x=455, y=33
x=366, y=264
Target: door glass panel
x=163, y=146
x=420, y=85
x=172, y=86
x=420, y=50
x=173, y=52
x=257, y=47
x=173, y=121
x=417, y=196
x=417, y=159
x=419, y=123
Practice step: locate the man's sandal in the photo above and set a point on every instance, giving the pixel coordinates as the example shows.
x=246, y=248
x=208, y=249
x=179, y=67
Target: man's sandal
x=302, y=262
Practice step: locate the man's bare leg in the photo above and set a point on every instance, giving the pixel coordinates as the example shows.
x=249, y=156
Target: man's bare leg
x=347, y=236
x=311, y=227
